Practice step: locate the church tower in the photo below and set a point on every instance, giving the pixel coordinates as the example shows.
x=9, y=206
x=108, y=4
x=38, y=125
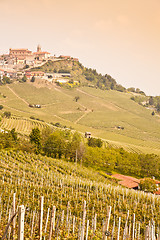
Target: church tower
x=39, y=48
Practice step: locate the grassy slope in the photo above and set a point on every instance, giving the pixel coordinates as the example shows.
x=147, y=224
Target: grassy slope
x=97, y=111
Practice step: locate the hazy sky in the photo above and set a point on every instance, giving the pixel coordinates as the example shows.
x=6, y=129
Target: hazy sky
x=117, y=37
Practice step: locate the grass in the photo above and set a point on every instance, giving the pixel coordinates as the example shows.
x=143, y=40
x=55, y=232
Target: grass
x=97, y=111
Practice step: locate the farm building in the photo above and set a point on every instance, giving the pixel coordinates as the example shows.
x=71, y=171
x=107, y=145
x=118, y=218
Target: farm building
x=87, y=134
x=127, y=181
x=131, y=182
x=30, y=74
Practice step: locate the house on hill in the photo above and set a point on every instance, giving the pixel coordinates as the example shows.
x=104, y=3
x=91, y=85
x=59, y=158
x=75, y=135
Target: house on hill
x=133, y=183
x=127, y=181
x=8, y=73
x=39, y=55
x=36, y=74
x=87, y=134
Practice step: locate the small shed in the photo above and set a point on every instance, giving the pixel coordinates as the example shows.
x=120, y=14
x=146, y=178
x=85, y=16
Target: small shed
x=87, y=134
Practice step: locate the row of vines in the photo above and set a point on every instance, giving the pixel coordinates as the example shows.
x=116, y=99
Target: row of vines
x=77, y=198
x=21, y=125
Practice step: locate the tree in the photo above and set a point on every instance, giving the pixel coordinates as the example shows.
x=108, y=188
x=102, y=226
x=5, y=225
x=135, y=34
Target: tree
x=35, y=138
x=95, y=142
x=7, y=114
x=55, y=144
x=131, y=89
x=14, y=134
x=148, y=185
x=24, y=79
x=151, y=101
x=26, y=66
x=6, y=80
x=74, y=144
x=153, y=113
x=33, y=79
x=77, y=98
x=112, y=86
x=158, y=107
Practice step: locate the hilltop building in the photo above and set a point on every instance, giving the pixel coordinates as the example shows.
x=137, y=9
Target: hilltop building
x=39, y=55
x=30, y=74
x=25, y=56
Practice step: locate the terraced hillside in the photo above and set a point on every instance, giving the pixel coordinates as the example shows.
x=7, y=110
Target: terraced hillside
x=108, y=114
x=69, y=187
x=22, y=125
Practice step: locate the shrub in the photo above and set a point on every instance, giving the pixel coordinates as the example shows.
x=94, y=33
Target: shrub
x=7, y=114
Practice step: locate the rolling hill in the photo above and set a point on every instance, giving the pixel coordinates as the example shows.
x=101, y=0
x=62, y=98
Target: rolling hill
x=108, y=114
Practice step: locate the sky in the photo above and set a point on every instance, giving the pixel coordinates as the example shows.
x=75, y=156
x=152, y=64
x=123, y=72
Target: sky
x=117, y=37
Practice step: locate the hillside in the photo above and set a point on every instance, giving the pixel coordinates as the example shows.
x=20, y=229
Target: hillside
x=110, y=115
x=66, y=186
x=78, y=73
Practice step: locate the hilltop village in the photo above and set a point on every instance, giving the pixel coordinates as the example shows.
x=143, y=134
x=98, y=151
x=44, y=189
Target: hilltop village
x=19, y=62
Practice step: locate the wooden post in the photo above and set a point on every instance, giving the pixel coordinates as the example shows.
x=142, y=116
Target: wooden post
x=32, y=223
x=95, y=223
x=87, y=229
x=67, y=217
x=84, y=218
x=147, y=233
x=112, y=237
x=45, y=230
x=62, y=217
x=51, y=224
x=9, y=229
x=54, y=216
x=47, y=220
x=73, y=224
x=125, y=228
x=41, y=217
x=106, y=225
x=13, y=212
x=139, y=230
x=21, y=212
x=133, y=230
x=119, y=226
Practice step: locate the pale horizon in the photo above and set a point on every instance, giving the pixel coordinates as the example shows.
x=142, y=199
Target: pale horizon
x=120, y=38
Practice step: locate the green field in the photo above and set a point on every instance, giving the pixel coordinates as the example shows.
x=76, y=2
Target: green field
x=97, y=111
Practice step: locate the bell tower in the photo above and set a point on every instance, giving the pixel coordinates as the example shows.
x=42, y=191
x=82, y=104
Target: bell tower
x=38, y=48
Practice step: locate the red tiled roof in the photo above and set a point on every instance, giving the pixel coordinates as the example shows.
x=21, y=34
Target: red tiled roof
x=39, y=53
x=123, y=177
x=128, y=183
x=19, y=49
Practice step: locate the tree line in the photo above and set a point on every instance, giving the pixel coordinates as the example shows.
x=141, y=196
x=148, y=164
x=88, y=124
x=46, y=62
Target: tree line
x=71, y=146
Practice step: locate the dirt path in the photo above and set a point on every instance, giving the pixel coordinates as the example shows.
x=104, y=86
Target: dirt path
x=90, y=95
x=49, y=104
x=110, y=105
x=82, y=116
x=17, y=95
x=16, y=109
x=72, y=97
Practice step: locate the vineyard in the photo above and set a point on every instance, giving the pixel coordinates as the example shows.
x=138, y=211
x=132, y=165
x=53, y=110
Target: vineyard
x=64, y=200
x=21, y=125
